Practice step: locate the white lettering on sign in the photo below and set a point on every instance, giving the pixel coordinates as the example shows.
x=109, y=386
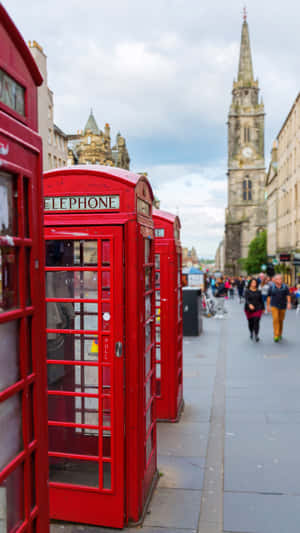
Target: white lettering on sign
x=81, y=203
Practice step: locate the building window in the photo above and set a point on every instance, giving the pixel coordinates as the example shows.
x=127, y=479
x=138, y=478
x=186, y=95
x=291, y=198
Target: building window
x=247, y=190
x=49, y=161
x=246, y=135
x=49, y=136
x=89, y=140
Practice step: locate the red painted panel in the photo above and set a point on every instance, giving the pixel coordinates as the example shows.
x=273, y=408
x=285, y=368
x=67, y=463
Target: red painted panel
x=169, y=392
x=23, y=401
x=135, y=305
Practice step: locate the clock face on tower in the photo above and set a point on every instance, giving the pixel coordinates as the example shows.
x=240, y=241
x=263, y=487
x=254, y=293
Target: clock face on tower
x=247, y=152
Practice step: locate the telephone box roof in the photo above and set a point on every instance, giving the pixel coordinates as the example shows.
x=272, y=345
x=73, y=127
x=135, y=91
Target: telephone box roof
x=119, y=174
x=21, y=46
x=165, y=215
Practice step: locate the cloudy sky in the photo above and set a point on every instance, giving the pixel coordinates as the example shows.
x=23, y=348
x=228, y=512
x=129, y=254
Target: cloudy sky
x=161, y=72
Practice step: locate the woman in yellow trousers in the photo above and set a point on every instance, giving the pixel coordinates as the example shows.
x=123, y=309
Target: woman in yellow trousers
x=278, y=300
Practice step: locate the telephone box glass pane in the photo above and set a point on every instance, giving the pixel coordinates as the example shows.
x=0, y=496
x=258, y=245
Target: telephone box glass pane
x=28, y=276
x=147, y=250
x=73, y=378
x=8, y=204
x=9, y=298
x=12, y=93
x=12, y=500
x=27, y=204
x=72, y=347
x=79, y=441
x=11, y=420
x=74, y=471
x=147, y=335
x=9, y=354
x=66, y=284
x=73, y=409
x=69, y=252
x=147, y=307
x=86, y=316
x=106, y=475
x=148, y=275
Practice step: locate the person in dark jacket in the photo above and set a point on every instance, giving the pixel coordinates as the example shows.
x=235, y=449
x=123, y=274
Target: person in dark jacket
x=240, y=283
x=254, y=308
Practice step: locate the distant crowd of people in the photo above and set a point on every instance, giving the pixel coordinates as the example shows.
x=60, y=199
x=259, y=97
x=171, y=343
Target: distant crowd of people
x=261, y=294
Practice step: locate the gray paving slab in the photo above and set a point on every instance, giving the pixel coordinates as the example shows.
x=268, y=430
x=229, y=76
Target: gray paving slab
x=77, y=528
x=181, y=472
x=258, y=513
x=262, y=432
x=183, y=443
x=177, y=508
x=194, y=412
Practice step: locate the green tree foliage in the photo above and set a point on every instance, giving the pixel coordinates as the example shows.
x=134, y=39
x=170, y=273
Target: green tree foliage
x=257, y=254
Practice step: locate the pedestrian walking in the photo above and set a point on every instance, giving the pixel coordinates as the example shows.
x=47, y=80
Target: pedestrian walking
x=264, y=288
x=254, y=308
x=278, y=300
x=240, y=287
x=220, y=294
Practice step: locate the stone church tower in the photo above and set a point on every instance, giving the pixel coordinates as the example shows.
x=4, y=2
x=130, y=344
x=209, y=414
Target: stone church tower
x=245, y=215
x=93, y=147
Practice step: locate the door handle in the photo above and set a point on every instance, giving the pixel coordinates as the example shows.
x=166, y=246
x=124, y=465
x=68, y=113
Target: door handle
x=118, y=349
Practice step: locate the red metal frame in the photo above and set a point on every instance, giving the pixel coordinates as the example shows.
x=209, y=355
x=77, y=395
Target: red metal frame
x=132, y=411
x=23, y=402
x=168, y=323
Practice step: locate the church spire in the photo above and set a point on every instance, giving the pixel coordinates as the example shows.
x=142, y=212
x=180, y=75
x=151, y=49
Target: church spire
x=245, y=73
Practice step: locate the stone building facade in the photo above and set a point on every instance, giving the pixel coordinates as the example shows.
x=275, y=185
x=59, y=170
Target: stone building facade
x=246, y=212
x=283, y=196
x=93, y=147
x=55, y=142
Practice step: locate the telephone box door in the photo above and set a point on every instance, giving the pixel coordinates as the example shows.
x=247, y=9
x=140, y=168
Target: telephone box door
x=84, y=295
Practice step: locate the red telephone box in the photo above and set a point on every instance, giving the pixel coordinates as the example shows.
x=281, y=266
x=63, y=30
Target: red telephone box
x=23, y=399
x=100, y=337
x=168, y=316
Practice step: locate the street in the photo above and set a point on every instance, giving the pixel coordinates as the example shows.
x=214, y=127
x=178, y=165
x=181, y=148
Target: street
x=253, y=438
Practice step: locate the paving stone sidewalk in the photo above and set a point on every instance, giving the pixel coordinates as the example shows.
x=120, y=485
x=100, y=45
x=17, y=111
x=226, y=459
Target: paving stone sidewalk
x=230, y=466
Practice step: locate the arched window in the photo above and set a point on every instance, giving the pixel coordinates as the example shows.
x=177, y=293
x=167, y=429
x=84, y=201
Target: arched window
x=247, y=190
x=247, y=134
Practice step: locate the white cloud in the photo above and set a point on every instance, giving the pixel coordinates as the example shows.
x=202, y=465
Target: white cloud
x=197, y=199
x=162, y=73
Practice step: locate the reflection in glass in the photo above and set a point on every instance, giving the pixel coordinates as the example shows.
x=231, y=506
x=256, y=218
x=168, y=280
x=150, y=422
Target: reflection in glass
x=66, y=284
x=69, y=252
x=74, y=471
x=147, y=250
x=147, y=362
x=11, y=420
x=147, y=335
x=157, y=261
x=106, y=475
x=149, y=418
x=8, y=203
x=148, y=275
x=9, y=354
x=70, y=347
x=148, y=391
x=147, y=307
x=71, y=378
x=12, y=500
x=8, y=278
